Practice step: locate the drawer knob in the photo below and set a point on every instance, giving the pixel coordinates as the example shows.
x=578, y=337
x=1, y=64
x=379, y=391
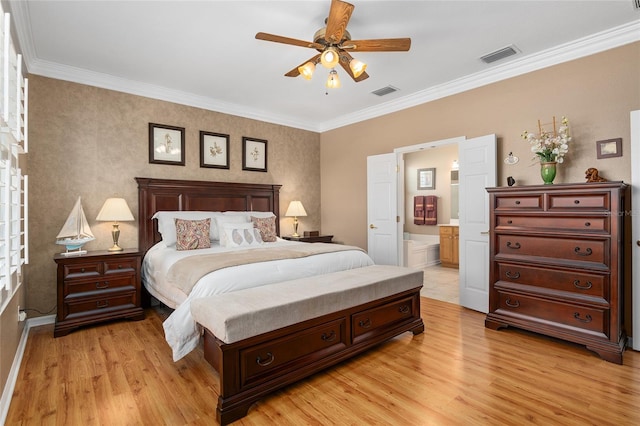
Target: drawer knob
x=586, y=286
x=517, y=202
x=329, y=337
x=82, y=270
x=511, y=304
x=579, y=252
x=509, y=222
x=513, y=276
x=366, y=323
x=513, y=246
x=268, y=360
x=404, y=309
x=586, y=319
x=576, y=201
x=100, y=286
x=119, y=266
x=587, y=224
x=101, y=304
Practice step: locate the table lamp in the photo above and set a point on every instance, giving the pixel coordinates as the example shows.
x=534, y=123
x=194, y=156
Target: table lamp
x=295, y=209
x=115, y=210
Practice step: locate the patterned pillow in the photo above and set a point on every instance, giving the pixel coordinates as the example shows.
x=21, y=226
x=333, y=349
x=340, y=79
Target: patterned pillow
x=192, y=234
x=239, y=235
x=267, y=228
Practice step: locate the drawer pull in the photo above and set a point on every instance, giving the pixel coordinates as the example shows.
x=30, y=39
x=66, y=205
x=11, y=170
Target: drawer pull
x=119, y=266
x=366, y=323
x=329, y=337
x=587, y=286
x=511, y=304
x=267, y=360
x=587, y=224
x=100, y=286
x=82, y=270
x=576, y=201
x=587, y=318
x=404, y=309
x=517, y=202
x=101, y=304
x=513, y=246
x=514, y=276
x=509, y=222
x=579, y=252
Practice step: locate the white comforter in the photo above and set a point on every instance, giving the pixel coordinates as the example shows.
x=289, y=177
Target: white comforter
x=182, y=333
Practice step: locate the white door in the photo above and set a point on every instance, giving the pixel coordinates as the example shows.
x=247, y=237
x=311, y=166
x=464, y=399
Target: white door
x=382, y=209
x=635, y=228
x=477, y=159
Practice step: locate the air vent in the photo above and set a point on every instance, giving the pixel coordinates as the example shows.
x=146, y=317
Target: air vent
x=501, y=54
x=387, y=90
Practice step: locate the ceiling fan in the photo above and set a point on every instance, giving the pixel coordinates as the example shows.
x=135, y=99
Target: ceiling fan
x=334, y=44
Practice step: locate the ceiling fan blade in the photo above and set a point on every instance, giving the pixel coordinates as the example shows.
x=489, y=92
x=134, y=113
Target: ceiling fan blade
x=378, y=45
x=347, y=68
x=287, y=40
x=339, y=15
x=294, y=72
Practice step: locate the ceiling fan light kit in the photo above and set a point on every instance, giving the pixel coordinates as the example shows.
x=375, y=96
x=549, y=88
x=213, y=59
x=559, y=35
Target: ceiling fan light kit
x=334, y=43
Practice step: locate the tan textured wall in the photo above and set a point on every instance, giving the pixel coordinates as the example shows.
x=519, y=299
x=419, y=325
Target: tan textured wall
x=596, y=93
x=91, y=142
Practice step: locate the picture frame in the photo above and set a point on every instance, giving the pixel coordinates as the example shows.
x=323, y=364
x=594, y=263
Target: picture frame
x=164, y=147
x=427, y=178
x=254, y=154
x=214, y=150
x=609, y=148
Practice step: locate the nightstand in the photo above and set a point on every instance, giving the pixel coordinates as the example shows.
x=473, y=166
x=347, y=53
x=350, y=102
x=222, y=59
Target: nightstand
x=97, y=286
x=315, y=239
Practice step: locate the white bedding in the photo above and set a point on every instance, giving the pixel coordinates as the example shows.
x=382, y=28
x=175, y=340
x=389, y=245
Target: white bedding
x=181, y=331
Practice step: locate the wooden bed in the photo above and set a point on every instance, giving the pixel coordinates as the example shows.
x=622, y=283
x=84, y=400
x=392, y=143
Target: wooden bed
x=326, y=339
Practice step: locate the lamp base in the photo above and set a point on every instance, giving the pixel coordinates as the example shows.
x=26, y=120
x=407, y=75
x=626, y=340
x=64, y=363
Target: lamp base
x=116, y=247
x=115, y=234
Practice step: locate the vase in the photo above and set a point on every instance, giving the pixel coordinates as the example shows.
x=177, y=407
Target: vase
x=548, y=171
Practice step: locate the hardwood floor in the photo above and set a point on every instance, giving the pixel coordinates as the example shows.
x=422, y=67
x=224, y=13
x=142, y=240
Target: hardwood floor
x=456, y=372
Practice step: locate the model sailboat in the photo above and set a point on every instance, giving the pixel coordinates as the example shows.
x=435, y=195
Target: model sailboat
x=75, y=232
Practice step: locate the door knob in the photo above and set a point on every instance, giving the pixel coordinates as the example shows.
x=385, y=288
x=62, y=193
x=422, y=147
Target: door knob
x=373, y=227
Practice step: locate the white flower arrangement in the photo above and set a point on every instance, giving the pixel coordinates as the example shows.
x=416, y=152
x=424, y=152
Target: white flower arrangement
x=550, y=146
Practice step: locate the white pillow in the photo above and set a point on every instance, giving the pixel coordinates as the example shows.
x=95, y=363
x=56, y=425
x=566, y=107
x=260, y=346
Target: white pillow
x=239, y=234
x=167, y=225
x=248, y=214
x=223, y=220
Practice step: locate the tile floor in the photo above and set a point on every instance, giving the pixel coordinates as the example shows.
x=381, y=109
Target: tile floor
x=441, y=283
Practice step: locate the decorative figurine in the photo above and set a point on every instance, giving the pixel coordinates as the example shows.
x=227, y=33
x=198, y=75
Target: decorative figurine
x=592, y=175
x=511, y=181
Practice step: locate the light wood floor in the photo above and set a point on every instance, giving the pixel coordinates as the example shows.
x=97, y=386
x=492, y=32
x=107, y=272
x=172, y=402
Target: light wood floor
x=456, y=372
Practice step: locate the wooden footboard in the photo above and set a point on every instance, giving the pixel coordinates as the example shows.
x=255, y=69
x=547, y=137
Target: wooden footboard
x=252, y=368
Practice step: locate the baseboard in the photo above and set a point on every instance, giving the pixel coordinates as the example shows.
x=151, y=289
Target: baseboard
x=17, y=361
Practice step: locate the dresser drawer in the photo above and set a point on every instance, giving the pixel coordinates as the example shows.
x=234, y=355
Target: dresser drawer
x=374, y=320
x=564, y=315
x=591, y=253
x=100, y=284
x=575, y=282
x=292, y=351
x=519, y=202
x=82, y=270
x=596, y=225
x=105, y=302
x=123, y=265
x=593, y=201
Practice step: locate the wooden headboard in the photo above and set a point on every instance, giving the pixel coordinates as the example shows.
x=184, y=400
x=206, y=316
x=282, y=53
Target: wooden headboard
x=173, y=195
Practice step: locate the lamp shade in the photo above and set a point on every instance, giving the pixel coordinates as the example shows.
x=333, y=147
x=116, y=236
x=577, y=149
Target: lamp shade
x=357, y=67
x=295, y=209
x=330, y=57
x=307, y=70
x=115, y=210
x=333, y=82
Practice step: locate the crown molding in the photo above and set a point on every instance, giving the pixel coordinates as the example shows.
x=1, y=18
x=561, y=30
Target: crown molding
x=586, y=46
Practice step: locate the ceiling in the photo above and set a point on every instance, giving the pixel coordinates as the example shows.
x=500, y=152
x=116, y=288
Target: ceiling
x=204, y=53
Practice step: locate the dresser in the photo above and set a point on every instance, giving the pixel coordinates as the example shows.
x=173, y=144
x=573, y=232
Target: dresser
x=449, y=240
x=557, y=263
x=97, y=286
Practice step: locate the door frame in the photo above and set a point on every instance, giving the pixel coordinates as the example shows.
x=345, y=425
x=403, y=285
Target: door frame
x=635, y=230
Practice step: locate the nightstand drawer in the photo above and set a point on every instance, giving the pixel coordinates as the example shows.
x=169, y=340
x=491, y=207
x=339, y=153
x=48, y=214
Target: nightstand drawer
x=82, y=270
x=124, y=265
x=102, y=283
x=102, y=303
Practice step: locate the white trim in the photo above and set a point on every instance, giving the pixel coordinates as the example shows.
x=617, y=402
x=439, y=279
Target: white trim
x=595, y=43
x=12, y=378
x=635, y=228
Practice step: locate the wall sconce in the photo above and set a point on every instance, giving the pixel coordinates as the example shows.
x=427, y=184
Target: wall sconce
x=295, y=209
x=115, y=210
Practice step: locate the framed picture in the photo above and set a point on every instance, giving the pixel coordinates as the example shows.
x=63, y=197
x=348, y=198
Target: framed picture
x=427, y=178
x=254, y=154
x=214, y=150
x=166, y=144
x=609, y=148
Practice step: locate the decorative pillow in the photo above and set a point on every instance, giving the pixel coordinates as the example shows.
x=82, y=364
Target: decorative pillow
x=239, y=235
x=267, y=228
x=167, y=225
x=192, y=234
